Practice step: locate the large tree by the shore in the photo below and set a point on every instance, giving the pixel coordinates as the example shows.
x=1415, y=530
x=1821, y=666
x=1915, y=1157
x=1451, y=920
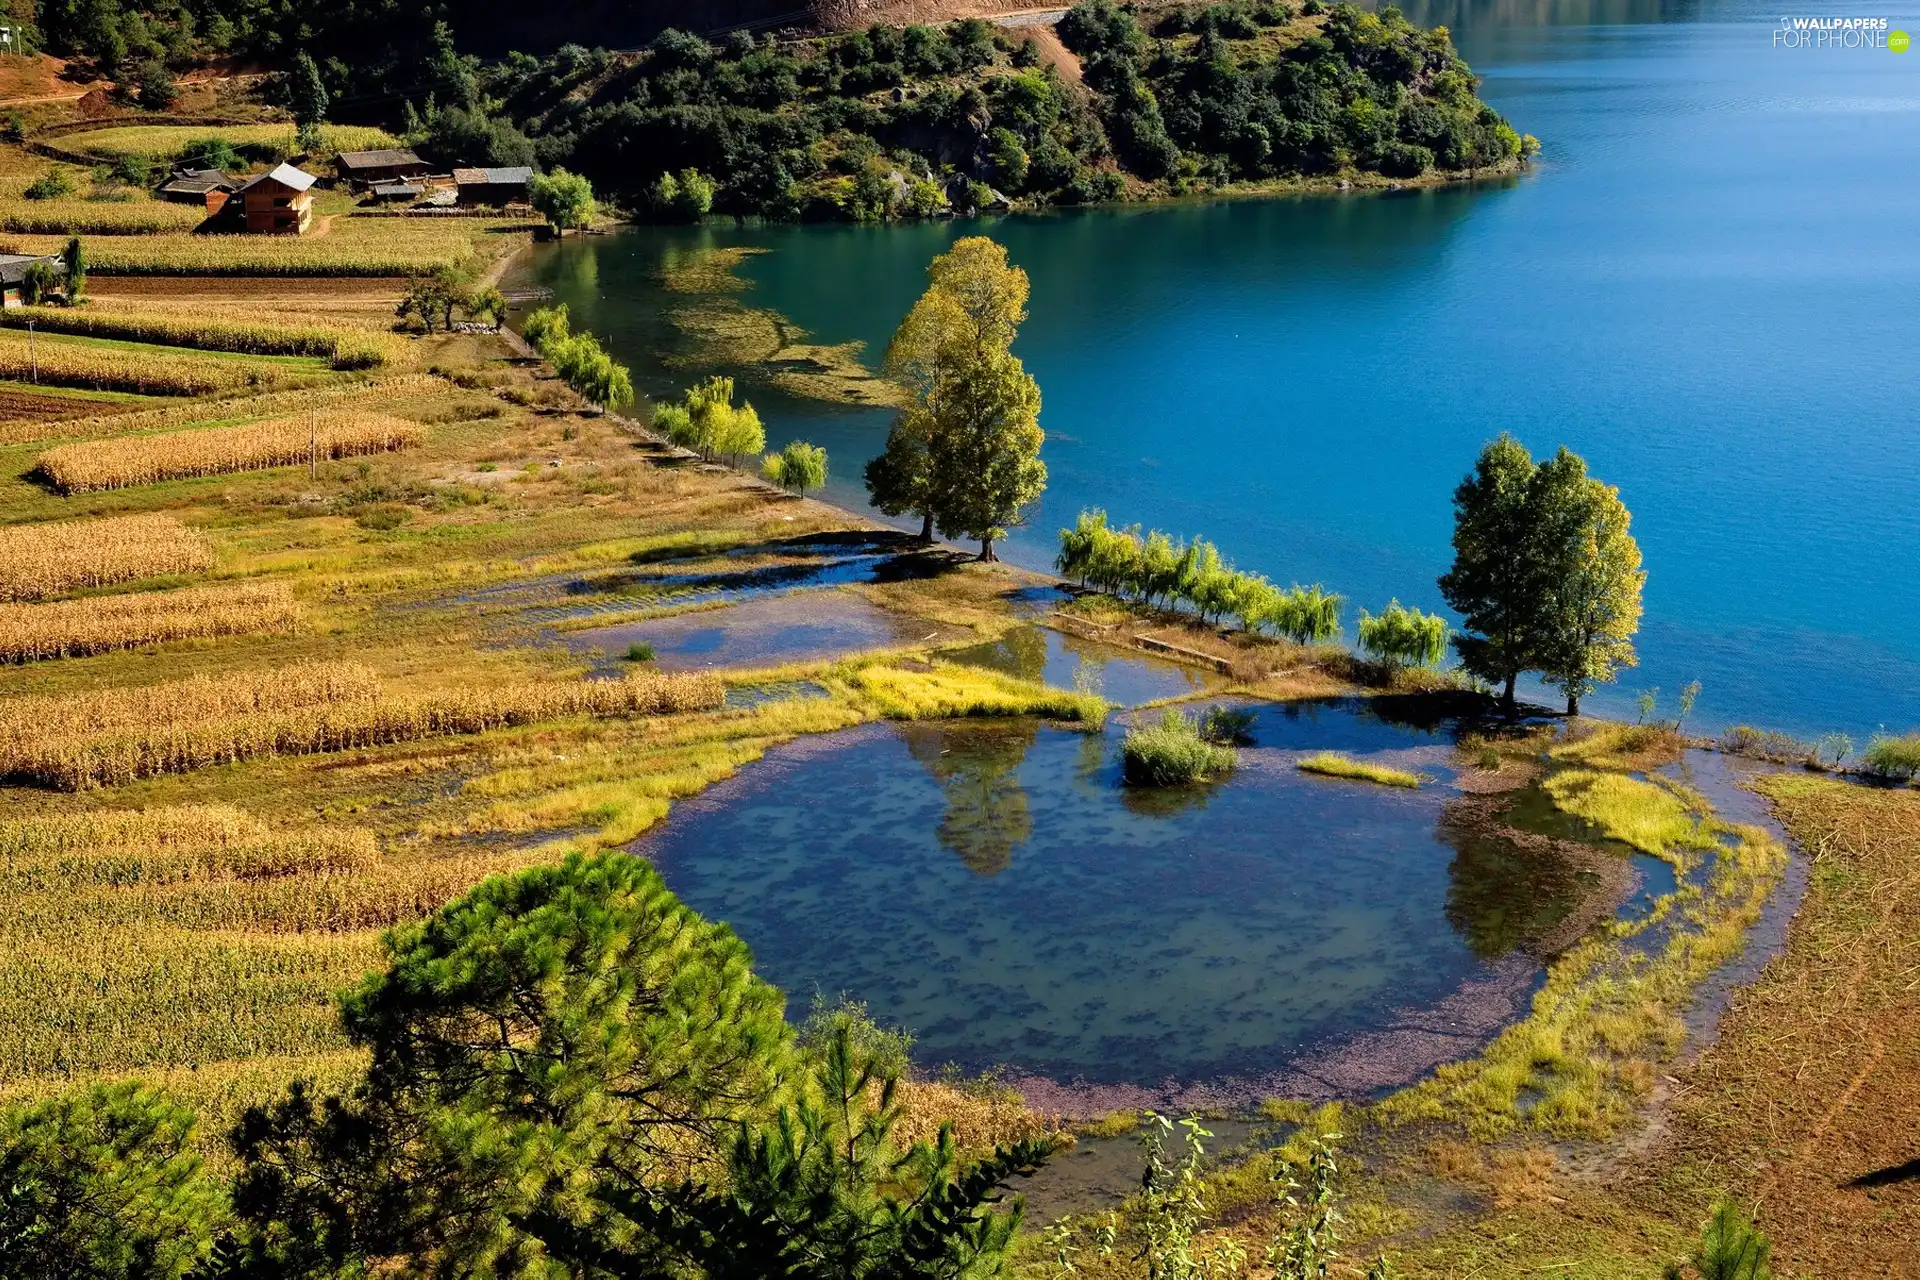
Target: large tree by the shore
x=1546, y=576
x=964, y=453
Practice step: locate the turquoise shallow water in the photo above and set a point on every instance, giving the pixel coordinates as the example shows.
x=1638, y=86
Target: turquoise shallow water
x=1706, y=287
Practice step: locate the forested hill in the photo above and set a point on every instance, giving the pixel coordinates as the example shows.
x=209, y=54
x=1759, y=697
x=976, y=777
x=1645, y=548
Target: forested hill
x=901, y=121
x=1116, y=102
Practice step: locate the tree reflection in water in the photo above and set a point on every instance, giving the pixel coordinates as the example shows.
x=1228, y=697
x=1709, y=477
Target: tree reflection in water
x=1503, y=898
x=976, y=764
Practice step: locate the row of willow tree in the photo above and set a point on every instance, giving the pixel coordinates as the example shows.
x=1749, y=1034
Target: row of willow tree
x=1156, y=570
x=1546, y=577
x=578, y=358
x=568, y=1072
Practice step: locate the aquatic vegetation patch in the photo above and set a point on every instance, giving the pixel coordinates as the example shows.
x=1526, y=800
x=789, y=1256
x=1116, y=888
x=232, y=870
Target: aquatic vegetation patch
x=947, y=689
x=1171, y=752
x=1638, y=747
x=1333, y=765
x=1652, y=817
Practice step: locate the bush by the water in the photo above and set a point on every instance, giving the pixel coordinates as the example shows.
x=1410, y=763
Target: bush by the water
x=1891, y=757
x=1157, y=571
x=1172, y=751
x=1402, y=637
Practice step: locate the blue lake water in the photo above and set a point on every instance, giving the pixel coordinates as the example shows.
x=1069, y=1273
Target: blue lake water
x=995, y=889
x=1706, y=287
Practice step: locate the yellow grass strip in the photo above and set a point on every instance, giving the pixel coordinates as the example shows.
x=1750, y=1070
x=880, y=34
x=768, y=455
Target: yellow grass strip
x=100, y=624
x=108, y=737
x=69, y=361
x=171, y=844
x=208, y=328
x=237, y=409
x=42, y=560
x=1332, y=765
x=116, y=464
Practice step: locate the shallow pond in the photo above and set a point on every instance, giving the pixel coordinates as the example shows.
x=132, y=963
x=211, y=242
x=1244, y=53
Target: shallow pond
x=801, y=627
x=1066, y=662
x=992, y=887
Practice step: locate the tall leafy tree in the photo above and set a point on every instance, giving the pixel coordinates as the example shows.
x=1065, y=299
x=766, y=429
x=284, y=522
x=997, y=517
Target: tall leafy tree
x=1495, y=584
x=542, y=1052
x=307, y=92
x=104, y=1184
x=564, y=199
x=969, y=440
x=1591, y=564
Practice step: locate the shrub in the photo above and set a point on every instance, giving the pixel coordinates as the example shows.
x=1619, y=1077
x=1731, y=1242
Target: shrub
x=639, y=651
x=1893, y=757
x=1172, y=752
x=1764, y=744
x=157, y=88
x=55, y=184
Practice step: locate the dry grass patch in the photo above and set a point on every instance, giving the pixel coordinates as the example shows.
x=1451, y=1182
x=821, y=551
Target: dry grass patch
x=99, y=624
x=105, y=738
x=162, y=141
x=42, y=560
x=351, y=246
x=170, y=844
x=116, y=464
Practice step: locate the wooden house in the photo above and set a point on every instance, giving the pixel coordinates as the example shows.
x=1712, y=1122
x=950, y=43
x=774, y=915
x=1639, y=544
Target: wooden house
x=13, y=272
x=279, y=202
x=368, y=168
x=493, y=187
x=208, y=188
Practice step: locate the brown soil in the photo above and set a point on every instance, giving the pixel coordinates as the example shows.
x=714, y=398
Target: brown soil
x=24, y=406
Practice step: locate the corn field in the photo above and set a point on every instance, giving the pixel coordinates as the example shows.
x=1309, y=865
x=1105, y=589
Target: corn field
x=217, y=329
x=78, y=362
x=168, y=845
x=92, y=465
x=351, y=247
x=101, y=624
x=244, y=408
x=163, y=141
x=42, y=560
x=77, y=741
x=97, y=217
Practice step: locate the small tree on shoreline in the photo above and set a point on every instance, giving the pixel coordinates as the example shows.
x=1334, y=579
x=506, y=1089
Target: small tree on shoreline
x=799, y=467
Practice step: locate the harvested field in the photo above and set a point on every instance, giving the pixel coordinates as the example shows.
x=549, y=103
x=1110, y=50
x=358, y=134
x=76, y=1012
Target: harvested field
x=78, y=741
x=99, y=624
x=36, y=410
x=131, y=460
x=42, y=560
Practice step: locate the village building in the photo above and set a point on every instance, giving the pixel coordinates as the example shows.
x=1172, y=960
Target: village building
x=369, y=168
x=13, y=274
x=279, y=202
x=494, y=187
x=208, y=188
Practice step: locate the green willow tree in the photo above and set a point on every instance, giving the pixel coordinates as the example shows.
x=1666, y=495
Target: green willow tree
x=799, y=467
x=965, y=452
x=564, y=199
